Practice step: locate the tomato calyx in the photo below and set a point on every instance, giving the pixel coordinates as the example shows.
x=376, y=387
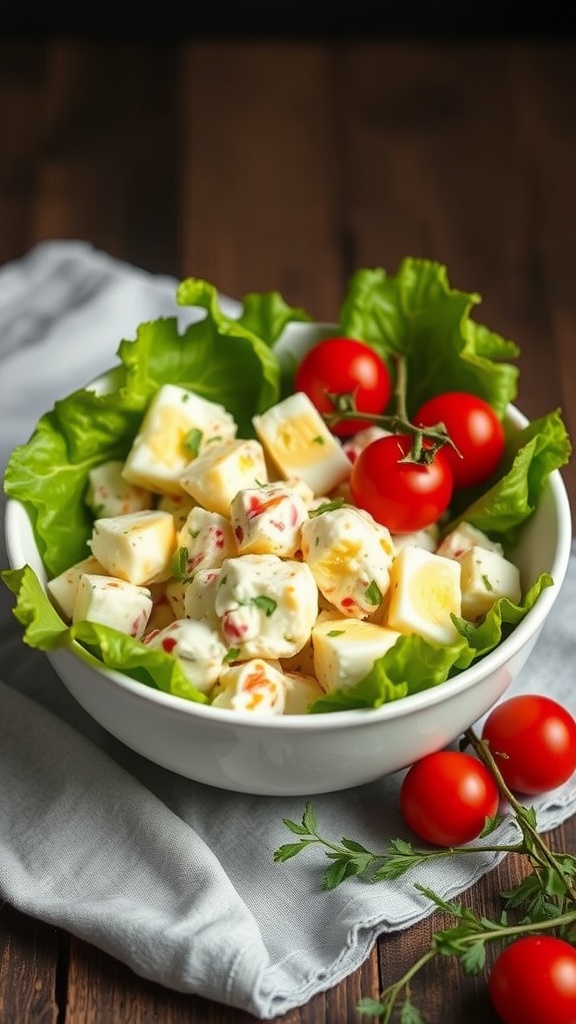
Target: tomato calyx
x=426, y=441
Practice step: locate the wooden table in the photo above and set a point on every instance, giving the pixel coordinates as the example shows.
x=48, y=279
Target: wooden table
x=286, y=164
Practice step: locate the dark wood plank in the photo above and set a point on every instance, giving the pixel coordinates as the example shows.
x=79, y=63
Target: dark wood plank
x=22, y=74
x=260, y=199
x=434, y=162
x=29, y=958
x=99, y=143
x=102, y=991
x=442, y=991
x=544, y=85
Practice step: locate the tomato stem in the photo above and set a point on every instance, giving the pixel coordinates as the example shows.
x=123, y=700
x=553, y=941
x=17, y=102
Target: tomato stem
x=389, y=996
x=426, y=441
x=539, y=852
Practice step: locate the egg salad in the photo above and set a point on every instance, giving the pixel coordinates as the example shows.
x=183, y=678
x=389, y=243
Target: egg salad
x=193, y=515
x=269, y=589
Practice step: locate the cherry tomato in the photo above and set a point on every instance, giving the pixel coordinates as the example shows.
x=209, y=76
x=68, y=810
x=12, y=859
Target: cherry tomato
x=446, y=797
x=533, y=981
x=404, y=496
x=344, y=366
x=533, y=741
x=474, y=428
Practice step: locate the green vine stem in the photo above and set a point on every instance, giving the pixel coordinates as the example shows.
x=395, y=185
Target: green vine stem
x=540, y=854
x=426, y=441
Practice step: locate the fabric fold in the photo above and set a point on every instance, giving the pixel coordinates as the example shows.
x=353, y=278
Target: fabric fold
x=87, y=847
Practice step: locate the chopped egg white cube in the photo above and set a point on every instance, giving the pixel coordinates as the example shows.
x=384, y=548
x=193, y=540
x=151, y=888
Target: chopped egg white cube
x=302, y=663
x=204, y=541
x=216, y=476
x=266, y=605
x=199, y=595
x=342, y=493
x=300, y=691
x=350, y=555
x=162, y=613
x=110, y=494
x=298, y=486
x=268, y=520
x=137, y=547
x=112, y=602
x=424, y=593
x=197, y=646
x=427, y=538
x=361, y=439
x=486, y=577
x=255, y=685
x=178, y=425
x=64, y=587
x=462, y=538
x=346, y=649
x=299, y=444
x=175, y=595
x=178, y=505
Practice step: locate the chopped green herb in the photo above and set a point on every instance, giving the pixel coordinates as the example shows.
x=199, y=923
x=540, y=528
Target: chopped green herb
x=327, y=506
x=335, y=632
x=373, y=593
x=266, y=604
x=543, y=901
x=486, y=582
x=193, y=440
x=180, y=564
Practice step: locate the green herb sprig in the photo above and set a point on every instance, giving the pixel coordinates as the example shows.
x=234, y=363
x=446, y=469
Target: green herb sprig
x=544, y=901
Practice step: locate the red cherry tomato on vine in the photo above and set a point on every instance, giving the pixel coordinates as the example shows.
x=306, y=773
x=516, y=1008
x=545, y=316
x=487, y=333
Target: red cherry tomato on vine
x=446, y=797
x=344, y=366
x=474, y=428
x=533, y=981
x=404, y=496
x=533, y=741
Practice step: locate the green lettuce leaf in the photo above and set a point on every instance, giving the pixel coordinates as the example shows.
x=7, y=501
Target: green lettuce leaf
x=414, y=664
x=216, y=357
x=415, y=313
x=502, y=617
x=49, y=474
x=533, y=453
x=45, y=631
x=266, y=315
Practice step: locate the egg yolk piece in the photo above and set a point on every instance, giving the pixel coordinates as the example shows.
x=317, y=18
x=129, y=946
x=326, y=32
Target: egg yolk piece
x=424, y=593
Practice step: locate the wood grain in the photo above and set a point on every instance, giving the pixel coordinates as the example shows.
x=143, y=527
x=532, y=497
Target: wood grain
x=286, y=164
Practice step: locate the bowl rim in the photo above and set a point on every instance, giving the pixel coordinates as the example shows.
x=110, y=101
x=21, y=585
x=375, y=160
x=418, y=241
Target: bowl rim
x=335, y=720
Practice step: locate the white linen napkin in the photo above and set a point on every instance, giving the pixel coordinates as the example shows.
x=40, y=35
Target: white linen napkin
x=174, y=878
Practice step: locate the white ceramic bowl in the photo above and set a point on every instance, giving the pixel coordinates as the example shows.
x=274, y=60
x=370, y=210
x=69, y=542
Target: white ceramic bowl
x=304, y=755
